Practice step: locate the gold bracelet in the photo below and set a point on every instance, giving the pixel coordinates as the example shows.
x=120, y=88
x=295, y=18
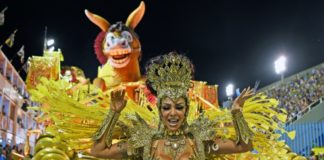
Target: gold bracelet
x=106, y=129
x=243, y=132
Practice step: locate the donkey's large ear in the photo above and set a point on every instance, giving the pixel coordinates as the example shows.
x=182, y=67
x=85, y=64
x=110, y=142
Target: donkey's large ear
x=135, y=17
x=102, y=23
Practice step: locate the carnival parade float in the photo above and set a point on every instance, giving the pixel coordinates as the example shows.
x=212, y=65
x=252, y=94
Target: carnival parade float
x=74, y=108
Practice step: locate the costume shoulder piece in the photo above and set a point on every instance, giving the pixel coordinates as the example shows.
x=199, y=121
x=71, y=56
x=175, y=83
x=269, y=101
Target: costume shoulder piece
x=141, y=134
x=203, y=130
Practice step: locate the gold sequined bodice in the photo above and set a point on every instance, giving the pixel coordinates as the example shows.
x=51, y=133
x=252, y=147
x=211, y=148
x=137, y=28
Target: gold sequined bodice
x=164, y=149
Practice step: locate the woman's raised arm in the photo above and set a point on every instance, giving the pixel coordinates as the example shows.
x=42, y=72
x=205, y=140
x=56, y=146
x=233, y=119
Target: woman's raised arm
x=103, y=147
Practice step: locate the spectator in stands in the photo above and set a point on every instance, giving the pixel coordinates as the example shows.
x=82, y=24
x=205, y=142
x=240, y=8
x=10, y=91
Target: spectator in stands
x=0, y=149
x=20, y=122
x=14, y=150
x=3, y=155
x=8, y=151
x=25, y=104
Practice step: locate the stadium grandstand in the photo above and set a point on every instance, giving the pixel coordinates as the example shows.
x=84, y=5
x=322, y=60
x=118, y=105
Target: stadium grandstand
x=302, y=96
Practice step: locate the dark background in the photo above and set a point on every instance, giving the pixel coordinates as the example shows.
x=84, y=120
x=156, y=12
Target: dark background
x=229, y=41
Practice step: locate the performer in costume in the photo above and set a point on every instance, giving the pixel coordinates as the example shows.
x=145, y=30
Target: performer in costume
x=169, y=76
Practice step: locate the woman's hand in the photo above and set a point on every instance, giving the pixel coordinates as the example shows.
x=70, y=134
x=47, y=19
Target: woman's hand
x=239, y=101
x=118, y=101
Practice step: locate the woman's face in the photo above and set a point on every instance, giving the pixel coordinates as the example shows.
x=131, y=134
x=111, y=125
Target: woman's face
x=173, y=112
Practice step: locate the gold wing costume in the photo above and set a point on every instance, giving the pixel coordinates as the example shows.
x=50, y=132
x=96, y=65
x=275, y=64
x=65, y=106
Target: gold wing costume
x=75, y=120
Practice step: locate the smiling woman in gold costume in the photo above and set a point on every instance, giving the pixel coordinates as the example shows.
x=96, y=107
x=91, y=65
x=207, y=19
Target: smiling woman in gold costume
x=169, y=76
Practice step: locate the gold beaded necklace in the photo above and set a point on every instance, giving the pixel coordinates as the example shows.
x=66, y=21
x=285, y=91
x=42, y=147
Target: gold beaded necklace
x=175, y=142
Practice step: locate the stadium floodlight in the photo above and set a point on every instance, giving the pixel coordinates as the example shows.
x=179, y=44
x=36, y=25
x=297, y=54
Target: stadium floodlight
x=50, y=42
x=280, y=66
x=229, y=90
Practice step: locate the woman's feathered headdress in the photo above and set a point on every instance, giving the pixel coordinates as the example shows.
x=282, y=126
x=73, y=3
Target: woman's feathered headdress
x=172, y=77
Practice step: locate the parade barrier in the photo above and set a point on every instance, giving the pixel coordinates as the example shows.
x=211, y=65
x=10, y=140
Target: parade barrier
x=308, y=136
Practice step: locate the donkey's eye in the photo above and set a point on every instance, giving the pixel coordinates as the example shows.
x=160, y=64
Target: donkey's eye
x=127, y=36
x=110, y=36
x=110, y=39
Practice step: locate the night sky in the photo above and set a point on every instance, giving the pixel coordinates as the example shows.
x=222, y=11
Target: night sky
x=228, y=41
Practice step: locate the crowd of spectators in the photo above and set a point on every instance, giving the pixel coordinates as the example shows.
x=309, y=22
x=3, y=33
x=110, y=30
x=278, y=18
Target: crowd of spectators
x=296, y=94
x=6, y=152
